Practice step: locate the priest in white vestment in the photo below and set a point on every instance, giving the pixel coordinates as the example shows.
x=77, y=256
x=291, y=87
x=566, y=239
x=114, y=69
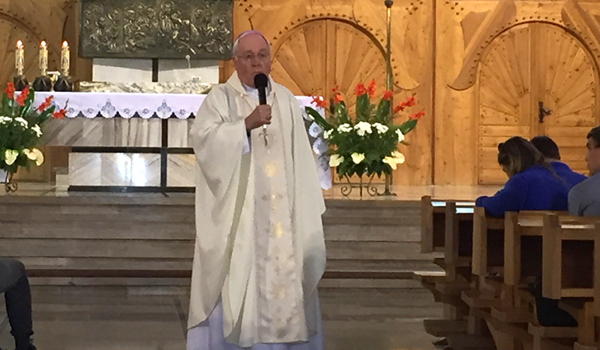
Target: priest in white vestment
x=260, y=249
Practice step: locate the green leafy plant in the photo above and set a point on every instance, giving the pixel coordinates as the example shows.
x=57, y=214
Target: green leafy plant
x=368, y=143
x=20, y=128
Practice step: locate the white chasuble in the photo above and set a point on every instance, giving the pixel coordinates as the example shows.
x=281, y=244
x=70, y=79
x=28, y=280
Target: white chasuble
x=278, y=272
x=259, y=248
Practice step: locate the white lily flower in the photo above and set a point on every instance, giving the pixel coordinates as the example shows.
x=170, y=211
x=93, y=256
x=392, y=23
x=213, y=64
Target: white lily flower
x=38, y=156
x=395, y=159
x=390, y=161
x=344, y=128
x=38, y=131
x=363, y=128
x=400, y=158
x=327, y=134
x=10, y=156
x=335, y=160
x=357, y=158
x=400, y=135
x=29, y=154
x=22, y=121
x=4, y=120
x=381, y=129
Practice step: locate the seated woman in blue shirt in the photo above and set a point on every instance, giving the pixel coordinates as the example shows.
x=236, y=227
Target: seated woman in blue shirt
x=532, y=183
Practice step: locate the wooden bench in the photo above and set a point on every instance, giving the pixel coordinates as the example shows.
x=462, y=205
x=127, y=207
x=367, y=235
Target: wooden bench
x=433, y=223
x=570, y=264
x=488, y=244
x=568, y=256
x=458, y=240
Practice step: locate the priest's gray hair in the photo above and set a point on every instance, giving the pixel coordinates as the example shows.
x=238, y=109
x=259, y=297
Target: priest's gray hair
x=245, y=34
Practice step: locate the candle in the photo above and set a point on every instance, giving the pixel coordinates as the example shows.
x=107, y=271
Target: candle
x=20, y=58
x=43, y=59
x=65, y=59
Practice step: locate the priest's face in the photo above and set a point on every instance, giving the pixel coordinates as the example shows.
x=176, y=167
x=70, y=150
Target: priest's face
x=252, y=56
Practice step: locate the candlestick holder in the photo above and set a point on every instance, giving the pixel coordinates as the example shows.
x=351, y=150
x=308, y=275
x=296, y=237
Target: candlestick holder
x=64, y=83
x=20, y=82
x=42, y=83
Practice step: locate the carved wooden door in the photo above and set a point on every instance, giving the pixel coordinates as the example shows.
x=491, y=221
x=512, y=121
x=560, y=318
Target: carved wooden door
x=528, y=72
x=321, y=54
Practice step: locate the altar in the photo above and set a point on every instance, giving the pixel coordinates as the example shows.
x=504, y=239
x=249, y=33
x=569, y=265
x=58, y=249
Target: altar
x=127, y=142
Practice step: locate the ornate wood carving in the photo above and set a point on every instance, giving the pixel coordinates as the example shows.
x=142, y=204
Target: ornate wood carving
x=480, y=30
x=526, y=65
x=587, y=25
x=151, y=29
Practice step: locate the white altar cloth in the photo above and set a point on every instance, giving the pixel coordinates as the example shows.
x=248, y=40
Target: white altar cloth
x=126, y=105
x=183, y=106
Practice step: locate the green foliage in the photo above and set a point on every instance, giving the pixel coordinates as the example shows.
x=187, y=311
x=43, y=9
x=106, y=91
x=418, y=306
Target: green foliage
x=20, y=128
x=370, y=134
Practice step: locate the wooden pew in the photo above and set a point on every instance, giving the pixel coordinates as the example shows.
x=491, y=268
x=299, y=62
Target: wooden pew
x=458, y=240
x=568, y=256
x=522, y=259
x=524, y=235
x=488, y=244
x=570, y=269
x=433, y=221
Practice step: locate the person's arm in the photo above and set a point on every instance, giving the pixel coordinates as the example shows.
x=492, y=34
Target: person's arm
x=510, y=198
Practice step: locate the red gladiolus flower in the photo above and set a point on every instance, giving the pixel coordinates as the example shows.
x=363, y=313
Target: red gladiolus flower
x=10, y=90
x=360, y=89
x=371, y=88
x=335, y=89
x=416, y=116
x=60, y=114
x=387, y=95
x=410, y=101
x=23, y=96
x=338, y=98
x=319, y=102
x=45, y=104
x=399, y=108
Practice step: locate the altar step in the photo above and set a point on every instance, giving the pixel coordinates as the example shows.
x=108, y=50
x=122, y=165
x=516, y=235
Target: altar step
x=149, y=239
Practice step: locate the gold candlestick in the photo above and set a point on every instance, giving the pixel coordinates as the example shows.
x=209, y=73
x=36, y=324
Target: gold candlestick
x=43, y=59
x=20, y=58
x=65, y=59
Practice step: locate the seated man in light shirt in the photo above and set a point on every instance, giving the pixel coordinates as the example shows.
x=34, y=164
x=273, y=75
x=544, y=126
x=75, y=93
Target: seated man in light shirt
x=584, y=198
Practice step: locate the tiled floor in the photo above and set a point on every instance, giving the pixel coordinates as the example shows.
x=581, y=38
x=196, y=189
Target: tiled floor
x=128, y=318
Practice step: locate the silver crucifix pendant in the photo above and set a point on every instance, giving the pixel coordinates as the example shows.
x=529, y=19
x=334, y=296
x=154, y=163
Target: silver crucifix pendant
x=265, y=136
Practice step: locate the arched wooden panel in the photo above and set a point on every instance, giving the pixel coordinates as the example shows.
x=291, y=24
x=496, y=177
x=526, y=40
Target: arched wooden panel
x=504, y=99
x=568, y=86
x=321, y=54
x=528, y=64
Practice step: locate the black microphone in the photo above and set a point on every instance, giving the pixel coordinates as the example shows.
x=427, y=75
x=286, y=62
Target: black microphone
x=260, y=82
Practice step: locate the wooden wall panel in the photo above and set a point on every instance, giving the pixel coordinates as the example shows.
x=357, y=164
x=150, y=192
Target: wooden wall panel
x=495, y=60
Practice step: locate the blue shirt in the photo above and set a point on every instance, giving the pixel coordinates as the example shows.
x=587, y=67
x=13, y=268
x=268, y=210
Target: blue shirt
x=571, y=178
x=536, y=188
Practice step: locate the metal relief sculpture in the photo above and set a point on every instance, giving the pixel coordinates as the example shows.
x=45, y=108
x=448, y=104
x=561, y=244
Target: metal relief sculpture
x=156, y=28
